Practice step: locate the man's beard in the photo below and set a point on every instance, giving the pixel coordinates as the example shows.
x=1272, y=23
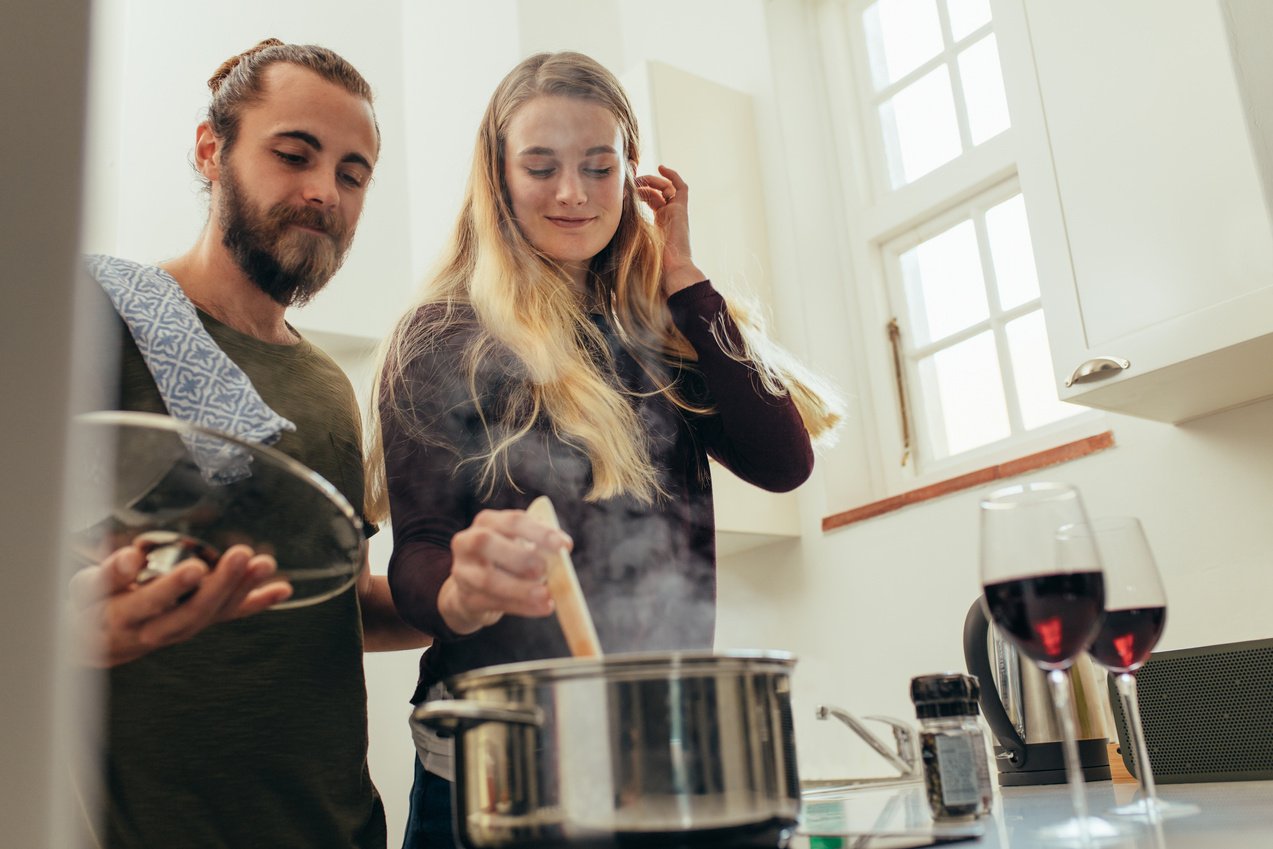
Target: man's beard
x=289, y=265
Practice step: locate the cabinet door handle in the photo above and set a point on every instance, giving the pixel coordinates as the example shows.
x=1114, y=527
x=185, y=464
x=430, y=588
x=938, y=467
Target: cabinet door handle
x=1097, y=368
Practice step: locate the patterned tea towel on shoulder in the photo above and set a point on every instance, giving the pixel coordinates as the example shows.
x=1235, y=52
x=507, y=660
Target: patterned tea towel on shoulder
x=198, y=382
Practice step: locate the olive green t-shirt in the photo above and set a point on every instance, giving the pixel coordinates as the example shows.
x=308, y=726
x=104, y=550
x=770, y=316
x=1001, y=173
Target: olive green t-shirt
x=254, y=732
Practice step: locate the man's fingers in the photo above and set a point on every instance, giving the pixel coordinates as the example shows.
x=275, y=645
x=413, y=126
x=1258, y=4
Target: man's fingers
x=121, y=568
x=217, y=597
x=224, y=588
x=262, y=566
x=178, y=624
x=134, y=619
x=263, y=598
x=156, y=597
x=114, y=574
x=258, y=590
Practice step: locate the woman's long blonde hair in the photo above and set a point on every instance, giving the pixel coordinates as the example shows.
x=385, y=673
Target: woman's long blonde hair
x=527, y=313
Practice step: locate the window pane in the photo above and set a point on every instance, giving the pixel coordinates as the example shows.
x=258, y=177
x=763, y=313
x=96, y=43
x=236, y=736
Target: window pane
x=963, y=396
x=945, y=287
x=966, y=16
x=1032, y=372
x=982, y=79
x=920, y=131
x=1015, y=274
x=901, y=35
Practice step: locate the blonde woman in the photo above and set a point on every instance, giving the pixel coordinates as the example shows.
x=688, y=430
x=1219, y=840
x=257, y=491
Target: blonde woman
x=569, y=347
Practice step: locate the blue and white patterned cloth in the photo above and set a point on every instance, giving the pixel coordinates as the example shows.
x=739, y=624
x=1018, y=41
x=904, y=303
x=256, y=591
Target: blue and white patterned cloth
x=198, y=382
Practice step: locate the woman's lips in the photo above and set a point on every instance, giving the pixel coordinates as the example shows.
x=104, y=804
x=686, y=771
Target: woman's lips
x=570, y=223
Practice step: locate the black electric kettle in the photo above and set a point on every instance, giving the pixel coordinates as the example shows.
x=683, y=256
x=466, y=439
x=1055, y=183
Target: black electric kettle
x=1017, y=706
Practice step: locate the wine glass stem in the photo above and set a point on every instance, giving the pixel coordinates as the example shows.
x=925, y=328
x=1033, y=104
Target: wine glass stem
x=1126, y=682
x=1059, y=683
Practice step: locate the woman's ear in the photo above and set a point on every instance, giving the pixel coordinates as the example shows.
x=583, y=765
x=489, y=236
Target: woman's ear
x=207, y=152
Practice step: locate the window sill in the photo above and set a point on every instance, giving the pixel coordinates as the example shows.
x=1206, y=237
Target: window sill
x=999, y=471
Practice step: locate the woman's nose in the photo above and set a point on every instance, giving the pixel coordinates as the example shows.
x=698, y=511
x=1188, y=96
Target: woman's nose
x=570, y=190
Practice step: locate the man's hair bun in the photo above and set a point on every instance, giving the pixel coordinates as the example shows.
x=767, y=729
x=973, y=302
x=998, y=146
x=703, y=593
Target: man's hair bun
x=218, y=77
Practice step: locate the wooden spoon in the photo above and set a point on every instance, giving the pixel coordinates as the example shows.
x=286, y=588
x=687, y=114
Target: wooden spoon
x=563, y=586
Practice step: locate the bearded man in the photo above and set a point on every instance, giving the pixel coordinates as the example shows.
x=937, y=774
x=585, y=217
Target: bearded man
x=229, y=727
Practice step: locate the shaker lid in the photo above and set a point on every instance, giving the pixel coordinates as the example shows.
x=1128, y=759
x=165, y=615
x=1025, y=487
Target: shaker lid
x=957, y=692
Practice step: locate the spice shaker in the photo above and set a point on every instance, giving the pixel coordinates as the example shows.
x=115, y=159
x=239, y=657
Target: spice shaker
x=953, y=748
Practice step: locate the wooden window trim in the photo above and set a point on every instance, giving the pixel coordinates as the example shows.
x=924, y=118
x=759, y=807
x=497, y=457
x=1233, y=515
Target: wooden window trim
x=1029, y=463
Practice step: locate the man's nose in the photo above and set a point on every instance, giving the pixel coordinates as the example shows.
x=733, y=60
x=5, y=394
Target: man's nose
x=321, y=191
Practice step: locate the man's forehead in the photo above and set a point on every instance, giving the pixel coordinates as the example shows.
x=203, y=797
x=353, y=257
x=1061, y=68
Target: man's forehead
x=297, y=101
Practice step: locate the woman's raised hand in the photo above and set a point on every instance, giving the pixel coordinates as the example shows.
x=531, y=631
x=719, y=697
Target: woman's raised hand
x=498, y=566
x=668, y=195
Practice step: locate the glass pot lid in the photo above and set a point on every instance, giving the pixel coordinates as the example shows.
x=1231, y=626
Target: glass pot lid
x=185, y=489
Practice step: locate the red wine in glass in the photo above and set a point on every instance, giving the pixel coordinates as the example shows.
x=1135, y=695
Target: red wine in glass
x=1136, y=612
x=1050, y=617
x=1127, y=637
x=1048, y=599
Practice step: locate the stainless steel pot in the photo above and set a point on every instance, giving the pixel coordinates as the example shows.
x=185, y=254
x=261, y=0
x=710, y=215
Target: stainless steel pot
x=683, y=749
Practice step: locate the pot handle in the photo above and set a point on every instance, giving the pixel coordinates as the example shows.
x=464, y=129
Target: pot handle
x=977, y=656
x=451, y=715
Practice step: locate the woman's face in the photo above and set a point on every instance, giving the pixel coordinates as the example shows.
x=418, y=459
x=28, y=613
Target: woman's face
x=564, y=168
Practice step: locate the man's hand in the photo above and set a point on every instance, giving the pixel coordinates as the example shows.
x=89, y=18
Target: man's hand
x=121, y=620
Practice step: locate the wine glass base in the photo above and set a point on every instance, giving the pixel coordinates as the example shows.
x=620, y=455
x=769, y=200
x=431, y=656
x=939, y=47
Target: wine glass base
x=1071, y=832
x=1155, y=809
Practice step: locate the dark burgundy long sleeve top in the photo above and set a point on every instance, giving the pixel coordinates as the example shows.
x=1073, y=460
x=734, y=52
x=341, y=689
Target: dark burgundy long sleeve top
x=648, y=571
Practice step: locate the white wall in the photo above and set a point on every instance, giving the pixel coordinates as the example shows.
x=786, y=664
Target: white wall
x=865, y=607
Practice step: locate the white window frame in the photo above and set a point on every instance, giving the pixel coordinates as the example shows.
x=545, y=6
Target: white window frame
x=877, y=215
x=872, y=99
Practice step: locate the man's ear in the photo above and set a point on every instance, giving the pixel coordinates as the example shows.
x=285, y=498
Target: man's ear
x=207, y=152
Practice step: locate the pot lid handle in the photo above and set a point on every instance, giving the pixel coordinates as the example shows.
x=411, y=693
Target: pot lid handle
x=451, y=715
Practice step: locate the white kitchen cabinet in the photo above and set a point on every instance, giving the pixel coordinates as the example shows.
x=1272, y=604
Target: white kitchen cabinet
x=749, y=517
x=707, y=132
x=1146, y=161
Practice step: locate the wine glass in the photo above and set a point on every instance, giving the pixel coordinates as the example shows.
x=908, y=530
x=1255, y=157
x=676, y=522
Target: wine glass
x=1135, y=614
x=1048, y=599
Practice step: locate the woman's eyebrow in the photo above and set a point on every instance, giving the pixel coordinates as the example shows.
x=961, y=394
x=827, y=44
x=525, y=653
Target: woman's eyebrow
x=548, y=151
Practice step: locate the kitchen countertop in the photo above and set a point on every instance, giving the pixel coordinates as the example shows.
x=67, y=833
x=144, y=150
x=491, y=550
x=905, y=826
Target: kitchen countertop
x=1234, y=815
